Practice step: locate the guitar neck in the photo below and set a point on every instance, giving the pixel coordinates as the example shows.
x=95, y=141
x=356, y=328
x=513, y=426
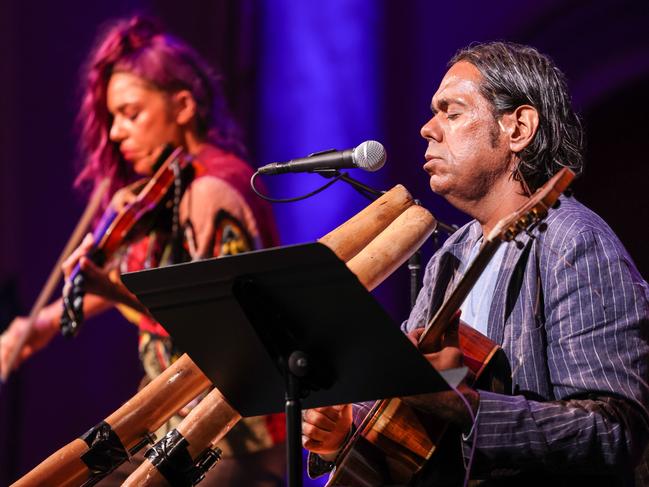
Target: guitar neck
x=440, y=322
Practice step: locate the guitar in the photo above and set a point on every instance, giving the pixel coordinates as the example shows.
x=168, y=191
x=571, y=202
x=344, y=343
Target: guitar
x=394, y=440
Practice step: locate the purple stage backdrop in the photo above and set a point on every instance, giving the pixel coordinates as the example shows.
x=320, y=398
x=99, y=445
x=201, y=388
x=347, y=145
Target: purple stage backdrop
x=301, y=77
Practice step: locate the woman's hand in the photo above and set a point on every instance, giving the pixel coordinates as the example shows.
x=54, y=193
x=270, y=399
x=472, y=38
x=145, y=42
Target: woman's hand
x=101, y=282
x=96, y=280
x=33, y=337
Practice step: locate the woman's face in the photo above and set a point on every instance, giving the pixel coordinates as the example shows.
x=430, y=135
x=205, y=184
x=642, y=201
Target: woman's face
x=144, y=120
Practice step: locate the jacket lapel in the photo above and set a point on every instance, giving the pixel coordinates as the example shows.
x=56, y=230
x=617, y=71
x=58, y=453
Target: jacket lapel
x=508, y=285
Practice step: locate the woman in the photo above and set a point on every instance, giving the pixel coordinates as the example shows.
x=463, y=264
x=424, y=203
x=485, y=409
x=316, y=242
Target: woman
x=145, y=89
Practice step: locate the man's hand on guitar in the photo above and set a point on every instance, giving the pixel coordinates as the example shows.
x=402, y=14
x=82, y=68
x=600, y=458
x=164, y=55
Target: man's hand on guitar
x=324, y=429
x=446, y=405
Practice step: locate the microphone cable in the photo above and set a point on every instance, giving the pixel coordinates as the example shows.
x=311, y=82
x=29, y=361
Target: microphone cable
x=337, y=177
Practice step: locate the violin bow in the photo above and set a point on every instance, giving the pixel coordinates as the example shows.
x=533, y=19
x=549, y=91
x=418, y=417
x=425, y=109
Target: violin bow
x=55, y=275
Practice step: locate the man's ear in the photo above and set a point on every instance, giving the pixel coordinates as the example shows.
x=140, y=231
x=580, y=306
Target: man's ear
x=520, y=126
x=185, y=107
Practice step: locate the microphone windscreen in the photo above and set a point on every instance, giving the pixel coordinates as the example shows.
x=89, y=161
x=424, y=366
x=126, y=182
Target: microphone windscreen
x=370, y=155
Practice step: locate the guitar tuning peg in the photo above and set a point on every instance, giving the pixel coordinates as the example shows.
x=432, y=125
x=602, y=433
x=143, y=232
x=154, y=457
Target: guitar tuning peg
x=524, y=221
x=519, y=244
x=542, y=227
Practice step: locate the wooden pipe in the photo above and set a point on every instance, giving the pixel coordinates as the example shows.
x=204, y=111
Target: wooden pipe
x=393, y=246
x=144, y=412
x=204, y=427
x=348, y=239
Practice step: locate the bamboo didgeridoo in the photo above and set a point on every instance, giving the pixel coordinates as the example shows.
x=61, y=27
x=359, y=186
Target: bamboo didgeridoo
x=197, y=435
x=351, y=237
x=131, y=423
x=183, y=380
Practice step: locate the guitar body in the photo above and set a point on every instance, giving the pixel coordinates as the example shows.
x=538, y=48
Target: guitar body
x=394, y=441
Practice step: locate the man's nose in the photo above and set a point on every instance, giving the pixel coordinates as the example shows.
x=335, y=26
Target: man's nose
x=431, y=130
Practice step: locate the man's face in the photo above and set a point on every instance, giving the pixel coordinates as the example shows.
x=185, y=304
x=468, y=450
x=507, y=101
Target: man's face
x=143, y=120
x=467, y=148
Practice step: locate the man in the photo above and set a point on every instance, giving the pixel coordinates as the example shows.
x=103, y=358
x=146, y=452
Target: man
x=568, y=306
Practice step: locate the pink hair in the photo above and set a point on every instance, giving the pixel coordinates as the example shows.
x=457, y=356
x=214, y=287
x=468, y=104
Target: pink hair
x=140, y=47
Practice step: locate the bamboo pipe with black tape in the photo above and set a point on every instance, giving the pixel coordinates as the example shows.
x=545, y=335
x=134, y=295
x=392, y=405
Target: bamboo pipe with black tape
x=213, y=417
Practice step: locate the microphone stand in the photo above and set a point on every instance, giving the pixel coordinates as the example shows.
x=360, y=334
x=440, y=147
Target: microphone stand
x=366, y=191
x=414, y=262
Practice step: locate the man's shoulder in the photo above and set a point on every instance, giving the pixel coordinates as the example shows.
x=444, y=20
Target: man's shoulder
x=573, y=220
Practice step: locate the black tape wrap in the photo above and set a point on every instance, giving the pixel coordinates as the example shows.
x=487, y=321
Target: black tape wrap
x=175, y=464
x=105, y=453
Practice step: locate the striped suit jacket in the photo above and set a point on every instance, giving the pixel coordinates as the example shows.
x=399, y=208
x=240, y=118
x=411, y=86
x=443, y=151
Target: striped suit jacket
x=571, y=312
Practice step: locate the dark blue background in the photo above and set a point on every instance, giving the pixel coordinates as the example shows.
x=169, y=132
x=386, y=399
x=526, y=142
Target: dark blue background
x=301, y=77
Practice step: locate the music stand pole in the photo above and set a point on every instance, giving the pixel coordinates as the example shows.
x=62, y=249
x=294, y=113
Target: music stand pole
x=297, y=368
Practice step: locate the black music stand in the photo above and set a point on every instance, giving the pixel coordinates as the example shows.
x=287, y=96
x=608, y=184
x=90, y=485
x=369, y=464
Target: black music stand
x=280, y=328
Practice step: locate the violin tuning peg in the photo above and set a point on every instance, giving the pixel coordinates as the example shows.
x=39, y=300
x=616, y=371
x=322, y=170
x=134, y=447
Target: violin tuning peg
x=77, y=281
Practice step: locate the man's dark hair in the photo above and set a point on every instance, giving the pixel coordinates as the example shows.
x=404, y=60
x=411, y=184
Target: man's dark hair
x=515, y=75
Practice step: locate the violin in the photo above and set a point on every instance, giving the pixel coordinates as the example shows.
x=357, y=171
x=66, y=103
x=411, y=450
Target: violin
x=119, y=226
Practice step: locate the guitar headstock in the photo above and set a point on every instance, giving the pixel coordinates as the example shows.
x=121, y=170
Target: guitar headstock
x=535, y=210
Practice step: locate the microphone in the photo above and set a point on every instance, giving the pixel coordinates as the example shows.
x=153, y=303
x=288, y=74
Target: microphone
x=369, y=156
